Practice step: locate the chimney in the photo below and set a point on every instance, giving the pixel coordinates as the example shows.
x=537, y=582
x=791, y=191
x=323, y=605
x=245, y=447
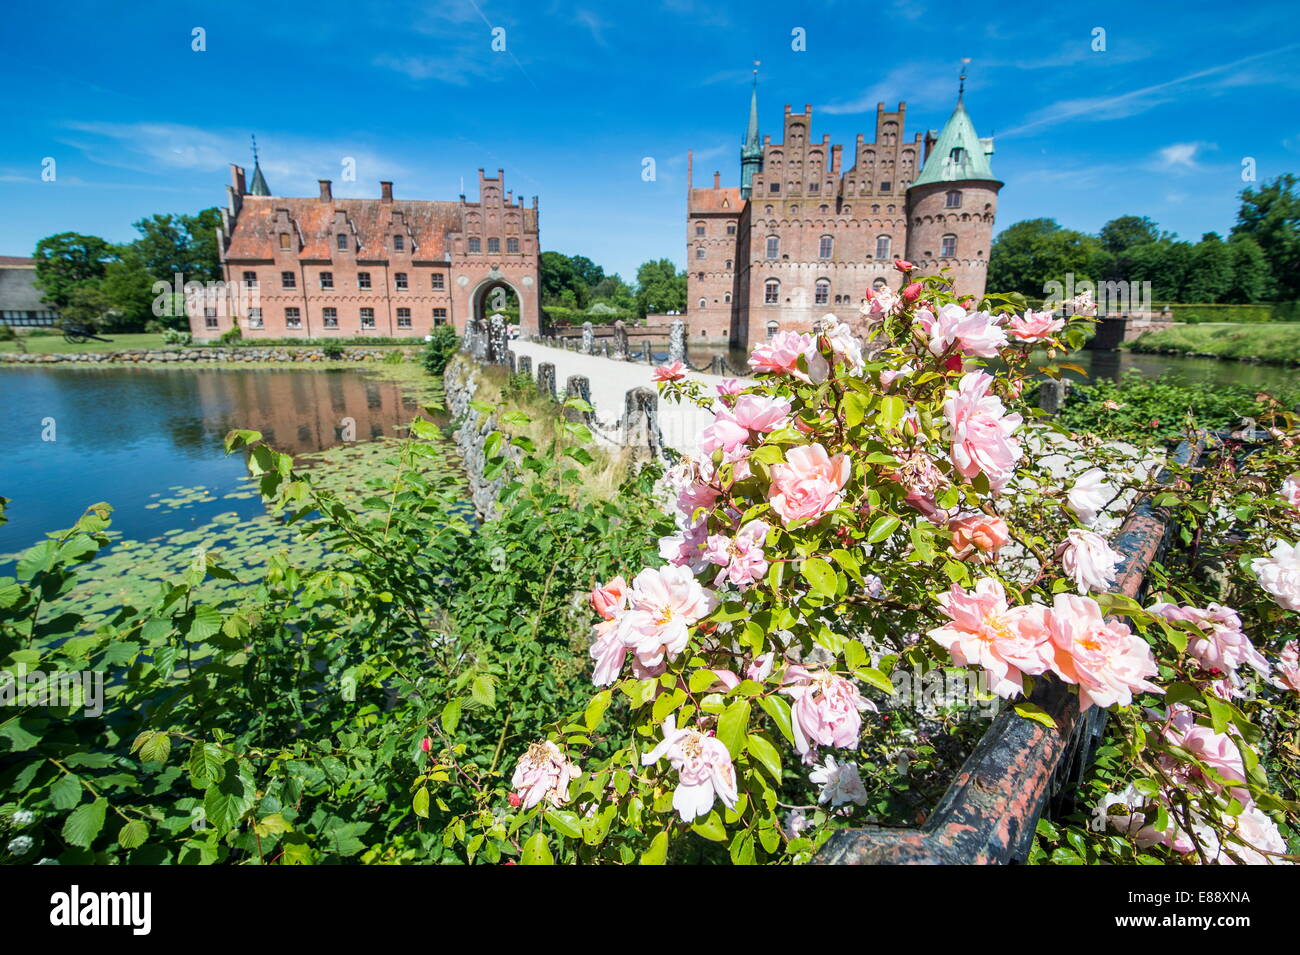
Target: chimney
x=326, y=194
x=385, y=191
x=237, y=180
x=690, y=162
x=717, y=180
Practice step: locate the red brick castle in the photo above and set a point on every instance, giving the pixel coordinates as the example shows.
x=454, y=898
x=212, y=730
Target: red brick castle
x=804, y=236
x=352, y=268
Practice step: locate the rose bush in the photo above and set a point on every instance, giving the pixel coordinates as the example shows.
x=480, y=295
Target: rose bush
x=881, y=500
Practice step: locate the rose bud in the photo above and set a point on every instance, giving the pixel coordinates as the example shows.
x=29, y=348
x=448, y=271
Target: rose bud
x=426, y=744
x=903, y=265
x=912, y=292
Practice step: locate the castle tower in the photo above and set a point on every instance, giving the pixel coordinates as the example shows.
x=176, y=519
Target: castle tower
x=952, y=203
x=751, y=150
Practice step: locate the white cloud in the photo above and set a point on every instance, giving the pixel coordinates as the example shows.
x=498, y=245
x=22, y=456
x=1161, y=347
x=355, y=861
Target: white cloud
x=1181, y=155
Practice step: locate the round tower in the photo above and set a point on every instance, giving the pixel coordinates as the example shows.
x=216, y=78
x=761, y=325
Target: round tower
x=951, y=205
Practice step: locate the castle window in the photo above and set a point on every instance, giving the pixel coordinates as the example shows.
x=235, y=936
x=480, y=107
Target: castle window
x=879, y=284
x=288, y=280
x=436, y=281
x=731, y=228
x=774, y=188
x=772, y=329
x=773, y=246
x=825, y=246
x=884, y=186
x=767, y=210
x=699, y=228
x=822, y=292
x=700, y=276
x=439, y=317
x=250, y=280
x=292, y=318
x=494, y=246
x=771, y=292
x=728, y=263
x=399, y=243
x=342, y=241
x=949, y=247
x=882, y=246
x=727, y=298
x=956, y=155
x=476, y=244
x=512, y=245
x=824, y=209
x=284, y=240
x=363, y=280
x=699, y=251
x=794, y=210
x=399, y=279
x=329, y=317
x=403, y=318
x=703, y=302
x=367, y=318
x=814, y=187
x=952, y=200
x=254, y=318
x=327, y=280
x=210, y=318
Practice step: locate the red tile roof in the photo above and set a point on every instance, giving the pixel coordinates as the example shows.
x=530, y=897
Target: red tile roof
x=17, y=262
x=711, y=200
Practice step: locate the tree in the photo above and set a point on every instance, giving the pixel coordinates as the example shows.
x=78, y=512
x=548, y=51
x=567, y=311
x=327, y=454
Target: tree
x=67, y=260
x=87, y=306
x=169, y=244
x=613, y=290
x=559, y=276
x=1123, y=233
x=1029, y=254
x=660, y=287
x=1251, y=281
x=1210, y=277
x=1165, y=264
x=1271, y=216
x=128, y=292
x=587, y=270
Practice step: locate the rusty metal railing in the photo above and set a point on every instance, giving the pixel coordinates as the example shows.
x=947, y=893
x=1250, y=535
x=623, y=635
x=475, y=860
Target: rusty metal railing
x=1019, y=768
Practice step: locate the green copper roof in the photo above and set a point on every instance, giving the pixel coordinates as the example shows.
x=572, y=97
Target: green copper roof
x=259, y=187
x=751, y=151
x=752, y=144
x=958, y=153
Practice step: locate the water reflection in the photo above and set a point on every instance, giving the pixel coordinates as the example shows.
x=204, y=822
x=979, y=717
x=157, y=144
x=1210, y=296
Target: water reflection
x=123, y=434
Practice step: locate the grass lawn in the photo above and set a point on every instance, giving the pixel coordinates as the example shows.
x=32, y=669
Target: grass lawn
x=51, y=344
x=1276, y=343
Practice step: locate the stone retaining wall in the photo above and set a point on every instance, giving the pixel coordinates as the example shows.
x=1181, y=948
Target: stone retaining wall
x=201, y=356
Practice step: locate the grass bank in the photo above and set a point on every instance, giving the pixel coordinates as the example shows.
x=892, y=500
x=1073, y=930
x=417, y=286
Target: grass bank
x=1275, y=344
x=55, y=345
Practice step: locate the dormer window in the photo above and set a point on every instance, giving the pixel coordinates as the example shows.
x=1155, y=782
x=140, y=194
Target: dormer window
x=342, y=240
x=956, y=155
x=399, y=243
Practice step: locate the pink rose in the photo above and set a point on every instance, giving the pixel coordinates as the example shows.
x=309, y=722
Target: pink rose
x=826, y=709
x=981, y=431
x=1008, y=642
x=780, y=355
x=1089, y=561
x=725, y=433
x=903, y=265
x=808, y=483
x=912, y=292
x=1104, y=658
x=608, y=652
x=984, y=533
x=543, y=772
x=662, y=605
x=674, y=371
x=1218, y=751
x=729, y=386
x=685, y=548
x=1089, y=496
x=975, y=333
x=1289, y=492
x=1034, y=326
x=880, y=303
x=1279, y=574
x=610, y=599
x=704, y=769
x=1223, y=645
x=741, y=557
x=1288, y=667
x=760, y=413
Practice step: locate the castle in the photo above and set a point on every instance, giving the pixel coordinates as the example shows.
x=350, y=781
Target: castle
x=802, y=236
x=354, y=268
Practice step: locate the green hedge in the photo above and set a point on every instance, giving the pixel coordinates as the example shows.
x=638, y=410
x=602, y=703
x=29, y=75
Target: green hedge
x=1238, y=314
x=560, y=315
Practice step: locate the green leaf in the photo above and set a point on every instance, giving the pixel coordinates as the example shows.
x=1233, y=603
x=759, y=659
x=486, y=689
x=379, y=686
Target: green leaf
x=483, y=690
x=874, y=677
x=537, y=851
x=779, y=710
x=451, y=714
x=1032, y=711
x=66, y=792
x=133, y=834
x=85, y=822
x=565, y=822
x=658, y=851
x=596, y=708
x=711, y=827
x=882, y=527
x=420, y=803
x=207, y=765
x=892, y=410
x=762, y=749
x=733, y=724
x=820, y=576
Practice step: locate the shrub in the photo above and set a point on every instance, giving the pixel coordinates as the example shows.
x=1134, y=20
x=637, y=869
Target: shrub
x=172, y=336
x=332, y=350
x=439, y=348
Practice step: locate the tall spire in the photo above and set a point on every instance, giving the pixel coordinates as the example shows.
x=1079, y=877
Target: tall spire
x=259, y=187
x=958, y=152
x=751, y=150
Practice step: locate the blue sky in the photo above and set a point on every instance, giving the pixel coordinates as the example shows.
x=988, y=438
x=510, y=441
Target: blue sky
x=1157, y=124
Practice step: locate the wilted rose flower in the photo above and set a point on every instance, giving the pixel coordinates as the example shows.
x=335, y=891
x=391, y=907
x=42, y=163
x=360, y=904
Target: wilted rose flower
x=543, y=772
x=673, y=371
x=1089, y=496
x=880, y=303
x=1290, y=492
x=1088, y=560
x=826, y=710
x=20, y=845
x=981, y=431
x=704, y=769
x=843, y=343
x=840, y=783
x=808, y=483
x=1288, y=667
x=1279, y=574
x=979, y=530
x=1008, y=642
x=1107, y=661
x=1224, y=645
x=1034, y=326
